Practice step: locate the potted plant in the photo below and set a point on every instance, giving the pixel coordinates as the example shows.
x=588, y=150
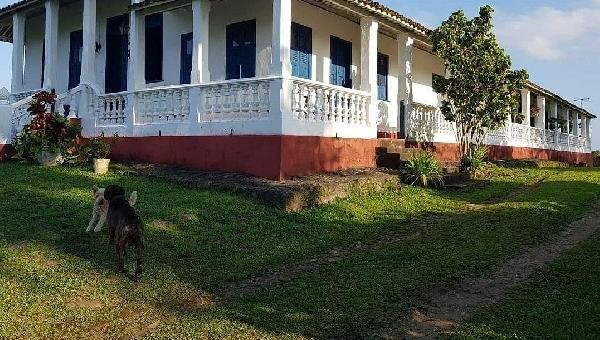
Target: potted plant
x=49, y=137
x=97, y=150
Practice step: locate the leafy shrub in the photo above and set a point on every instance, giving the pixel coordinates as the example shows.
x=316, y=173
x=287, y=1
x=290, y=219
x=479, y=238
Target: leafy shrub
x=48, y=131
x=473, y=161
x=596, y=155
x=96, y=148
x=424, y=169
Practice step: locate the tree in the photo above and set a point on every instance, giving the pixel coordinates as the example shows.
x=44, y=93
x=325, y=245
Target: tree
x=480, y=89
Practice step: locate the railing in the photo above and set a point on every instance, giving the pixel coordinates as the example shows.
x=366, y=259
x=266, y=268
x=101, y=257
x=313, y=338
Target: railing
x=162, y=105
x=313, y=101
x=111, y=109
x=19, y=96
x=239, y=100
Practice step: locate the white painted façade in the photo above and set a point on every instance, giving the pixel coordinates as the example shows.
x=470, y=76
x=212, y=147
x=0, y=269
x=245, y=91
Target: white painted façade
x=274, y=88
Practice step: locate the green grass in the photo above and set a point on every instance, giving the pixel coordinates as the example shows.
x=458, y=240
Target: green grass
x=58, y=280
x=561, y=302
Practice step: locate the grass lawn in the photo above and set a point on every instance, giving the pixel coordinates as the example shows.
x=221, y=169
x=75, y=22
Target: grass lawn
x=59, y=281
x=561, y=302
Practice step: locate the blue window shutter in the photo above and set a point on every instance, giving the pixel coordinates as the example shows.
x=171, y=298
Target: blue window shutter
x=241, y=50
x=341, y=61
x=301, y=51
x=382, y=76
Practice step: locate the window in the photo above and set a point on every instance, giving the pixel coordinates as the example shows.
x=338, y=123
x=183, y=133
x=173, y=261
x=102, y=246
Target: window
x=187, y=49
x=154, y=48
x=341, y=61
x=301, y=51
x=383, y=62
x=75, y=55
x=241, y=50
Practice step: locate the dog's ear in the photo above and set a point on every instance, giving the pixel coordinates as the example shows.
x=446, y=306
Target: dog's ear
x=95, y=190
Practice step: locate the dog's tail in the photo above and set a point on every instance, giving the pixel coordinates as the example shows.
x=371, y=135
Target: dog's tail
x=133, y=198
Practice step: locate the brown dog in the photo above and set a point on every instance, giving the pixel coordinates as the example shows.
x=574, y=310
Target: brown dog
x=125, y=228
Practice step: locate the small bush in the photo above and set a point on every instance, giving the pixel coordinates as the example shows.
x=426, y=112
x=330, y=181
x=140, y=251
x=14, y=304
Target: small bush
x=48, y=131
x=96, y=148
x=474, y=161
x=424, y=169
x=596, y=155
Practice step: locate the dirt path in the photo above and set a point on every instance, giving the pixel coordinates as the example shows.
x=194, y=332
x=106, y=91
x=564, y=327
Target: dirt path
x=447, y=308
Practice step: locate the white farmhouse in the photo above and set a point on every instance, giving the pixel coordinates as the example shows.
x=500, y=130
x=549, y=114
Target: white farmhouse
x=274, y=88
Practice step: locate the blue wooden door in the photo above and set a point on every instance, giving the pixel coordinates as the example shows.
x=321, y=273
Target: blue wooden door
x=383, y=63
x=75, y=54
x=341, y=61
x=117, y=53
x=301, y=51
x=187, y=48
x=241, y=50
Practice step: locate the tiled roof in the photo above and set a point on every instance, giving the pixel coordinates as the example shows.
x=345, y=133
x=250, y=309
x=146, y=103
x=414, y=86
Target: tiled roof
x=559, y=99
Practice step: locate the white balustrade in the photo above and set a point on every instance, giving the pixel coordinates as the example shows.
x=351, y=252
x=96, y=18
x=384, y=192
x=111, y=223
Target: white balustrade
x=111, y=109
x=17, y=97
x=320, y=102
x=162, y=105
x=239, y=100
x=520, y=132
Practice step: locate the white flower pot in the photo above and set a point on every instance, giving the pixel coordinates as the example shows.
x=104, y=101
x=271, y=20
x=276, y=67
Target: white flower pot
x=101, y=166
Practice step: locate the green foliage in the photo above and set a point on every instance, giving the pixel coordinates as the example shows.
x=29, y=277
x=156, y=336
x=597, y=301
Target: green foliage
x=48, y=131
x=474, y=160
x=96, y=148
x=596, y=155
x=424, y=169
x=480, y=90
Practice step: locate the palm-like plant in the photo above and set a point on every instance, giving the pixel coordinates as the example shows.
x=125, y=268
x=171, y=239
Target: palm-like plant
x=424, y=169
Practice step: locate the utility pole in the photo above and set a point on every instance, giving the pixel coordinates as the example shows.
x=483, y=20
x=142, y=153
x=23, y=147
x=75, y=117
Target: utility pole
x=582, y=100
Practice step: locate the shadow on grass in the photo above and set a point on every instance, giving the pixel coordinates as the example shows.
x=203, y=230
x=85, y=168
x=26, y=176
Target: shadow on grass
x=203, y=240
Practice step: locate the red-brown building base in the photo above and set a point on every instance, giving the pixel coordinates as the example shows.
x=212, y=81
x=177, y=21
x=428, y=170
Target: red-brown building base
x=279, y=157
x=450, y=152
x=6, y=151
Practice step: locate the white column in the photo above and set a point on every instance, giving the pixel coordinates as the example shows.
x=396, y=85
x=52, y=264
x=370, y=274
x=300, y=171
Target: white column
x=583, y=127
x=282, y=38
x=575, y=123
x=526, y=106
x=201, y=15
x=540, y=121
x=88, y=57
x=588, y=126
x=18, y=52
x=567, y=119
x=368, y=63
x=51, y=44
x=135, y=69
x=405, y=78
x=554, y=110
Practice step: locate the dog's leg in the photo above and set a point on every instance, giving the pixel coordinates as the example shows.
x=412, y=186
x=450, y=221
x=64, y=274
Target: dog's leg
x=92, y=221
x=139, y=252
x=101, y=222
x=120, y=247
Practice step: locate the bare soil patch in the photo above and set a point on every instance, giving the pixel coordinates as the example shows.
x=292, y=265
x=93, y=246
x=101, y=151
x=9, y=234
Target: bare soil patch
x=83, y=303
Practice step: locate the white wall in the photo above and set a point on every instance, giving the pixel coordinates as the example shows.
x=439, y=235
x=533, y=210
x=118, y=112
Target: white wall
x=5, y=124
x=34, y=42
x=227, y=12
x=424, y=66
x=70, y=19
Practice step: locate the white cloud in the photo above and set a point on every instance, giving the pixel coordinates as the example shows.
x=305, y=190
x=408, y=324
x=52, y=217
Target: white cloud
x=548, y=33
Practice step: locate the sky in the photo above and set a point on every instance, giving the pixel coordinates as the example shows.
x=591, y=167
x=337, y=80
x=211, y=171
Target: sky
x=556, y=41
